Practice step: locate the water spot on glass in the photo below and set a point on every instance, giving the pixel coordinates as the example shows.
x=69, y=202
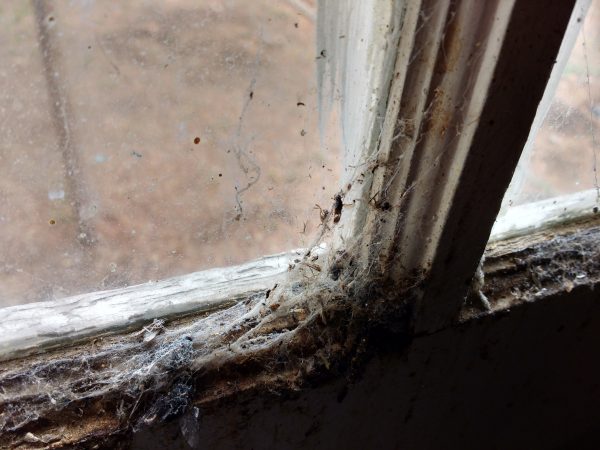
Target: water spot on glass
x=56, y=195
x=182, y=132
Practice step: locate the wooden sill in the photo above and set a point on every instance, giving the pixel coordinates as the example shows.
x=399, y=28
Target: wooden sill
x=531, y=267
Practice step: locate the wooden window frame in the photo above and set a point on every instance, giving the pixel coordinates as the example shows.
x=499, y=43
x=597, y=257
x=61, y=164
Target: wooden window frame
x=486, y=57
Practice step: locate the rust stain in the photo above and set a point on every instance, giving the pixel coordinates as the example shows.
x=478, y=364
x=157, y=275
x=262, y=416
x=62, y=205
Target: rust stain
x=451, y=47
x=440, y=116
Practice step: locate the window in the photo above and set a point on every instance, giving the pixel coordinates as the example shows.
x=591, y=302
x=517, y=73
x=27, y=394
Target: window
x=431, y=136
x=145, y=140
x=556, y=178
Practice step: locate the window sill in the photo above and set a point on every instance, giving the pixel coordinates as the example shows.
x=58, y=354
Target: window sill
x=37, y=327
x=552, y=261
x=111, y=385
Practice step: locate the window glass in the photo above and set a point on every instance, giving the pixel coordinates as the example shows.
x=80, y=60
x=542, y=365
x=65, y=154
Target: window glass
x=145, y=139
x=563, y=154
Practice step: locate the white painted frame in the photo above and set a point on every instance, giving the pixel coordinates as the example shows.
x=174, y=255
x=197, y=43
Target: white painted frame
x=536, y=216
x=35, y=327
x=466, y=82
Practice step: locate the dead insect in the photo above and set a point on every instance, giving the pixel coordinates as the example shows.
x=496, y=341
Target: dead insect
x=385, y=206
x=270, y=290
x=380, y=203
x=337, y=208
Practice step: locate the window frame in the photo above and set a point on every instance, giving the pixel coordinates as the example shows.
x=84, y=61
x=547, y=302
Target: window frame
x=489, y=145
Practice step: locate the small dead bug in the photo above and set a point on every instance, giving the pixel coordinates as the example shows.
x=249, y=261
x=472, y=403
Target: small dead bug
x=337, y=208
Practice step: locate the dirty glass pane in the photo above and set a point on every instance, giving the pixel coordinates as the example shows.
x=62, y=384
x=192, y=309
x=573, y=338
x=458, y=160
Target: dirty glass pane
x=145, y=139
x=563, y=155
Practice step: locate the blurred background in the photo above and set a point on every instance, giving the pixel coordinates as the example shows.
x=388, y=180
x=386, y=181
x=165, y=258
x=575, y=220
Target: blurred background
x=565, y=153
x=146, y=139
